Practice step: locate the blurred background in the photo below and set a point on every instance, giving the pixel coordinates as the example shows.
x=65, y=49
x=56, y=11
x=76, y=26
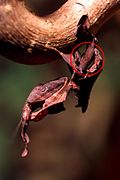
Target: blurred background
x=69, y=145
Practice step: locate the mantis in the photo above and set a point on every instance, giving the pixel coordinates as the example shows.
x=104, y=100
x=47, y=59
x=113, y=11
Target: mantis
x=48, y=98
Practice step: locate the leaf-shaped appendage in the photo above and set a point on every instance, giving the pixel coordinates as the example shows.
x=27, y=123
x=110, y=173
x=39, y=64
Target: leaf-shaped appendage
x=44, y=99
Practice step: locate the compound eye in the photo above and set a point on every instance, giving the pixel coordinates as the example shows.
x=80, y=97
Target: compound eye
x=44, y=89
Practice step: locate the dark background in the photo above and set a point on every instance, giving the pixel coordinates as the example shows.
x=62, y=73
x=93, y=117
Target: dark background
x=69, y=145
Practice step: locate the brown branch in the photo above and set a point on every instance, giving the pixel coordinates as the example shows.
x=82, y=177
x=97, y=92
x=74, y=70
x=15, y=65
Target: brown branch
x=26, y=38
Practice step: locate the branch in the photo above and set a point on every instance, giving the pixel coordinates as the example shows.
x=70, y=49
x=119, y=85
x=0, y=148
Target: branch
x=27, y=38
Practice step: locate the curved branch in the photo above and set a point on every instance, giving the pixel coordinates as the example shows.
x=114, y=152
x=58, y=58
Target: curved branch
x=25, y=37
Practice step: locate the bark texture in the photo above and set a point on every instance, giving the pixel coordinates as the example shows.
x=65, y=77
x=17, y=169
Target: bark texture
x=27, y=38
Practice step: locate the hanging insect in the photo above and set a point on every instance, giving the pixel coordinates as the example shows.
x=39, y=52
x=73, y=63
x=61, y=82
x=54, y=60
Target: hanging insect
x=48, y=98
